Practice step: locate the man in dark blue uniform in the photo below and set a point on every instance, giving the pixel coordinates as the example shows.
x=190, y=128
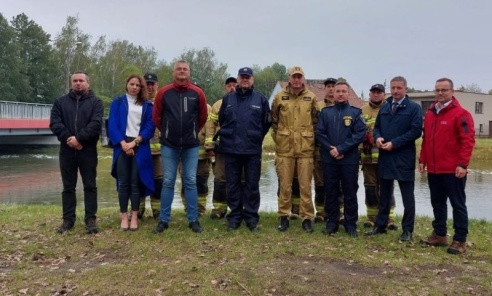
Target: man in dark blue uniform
x=340, y=130
x=244, y=120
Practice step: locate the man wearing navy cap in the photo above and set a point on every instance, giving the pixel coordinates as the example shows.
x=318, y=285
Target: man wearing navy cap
x=369, y=159
x=244, y=120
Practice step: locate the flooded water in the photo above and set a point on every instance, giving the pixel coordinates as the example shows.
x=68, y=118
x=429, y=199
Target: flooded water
x=31, y=176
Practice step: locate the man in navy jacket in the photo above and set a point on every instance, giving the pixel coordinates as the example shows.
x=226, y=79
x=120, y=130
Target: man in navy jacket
x=340, y=130
x=398, y=125
x=244, y=119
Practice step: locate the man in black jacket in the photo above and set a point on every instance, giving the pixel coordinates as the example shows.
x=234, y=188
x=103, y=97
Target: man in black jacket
x=76, y=120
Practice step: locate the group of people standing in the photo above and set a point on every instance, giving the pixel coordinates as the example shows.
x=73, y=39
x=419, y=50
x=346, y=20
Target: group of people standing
x=156, y=132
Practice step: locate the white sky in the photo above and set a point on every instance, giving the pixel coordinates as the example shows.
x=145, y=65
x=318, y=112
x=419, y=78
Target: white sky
x=365, y=41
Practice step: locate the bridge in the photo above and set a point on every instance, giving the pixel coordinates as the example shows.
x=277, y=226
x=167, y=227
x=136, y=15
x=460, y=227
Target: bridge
x=25, y=124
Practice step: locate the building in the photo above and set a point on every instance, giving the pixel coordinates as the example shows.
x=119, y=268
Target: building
x=318, y=88
x=479, y=105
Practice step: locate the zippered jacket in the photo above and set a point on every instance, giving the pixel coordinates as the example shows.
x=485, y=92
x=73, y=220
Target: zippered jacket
x=448, y=140
x=342, y=126
x=180, y=112
x=81, y=118
x=244, y=120
x=294, y=120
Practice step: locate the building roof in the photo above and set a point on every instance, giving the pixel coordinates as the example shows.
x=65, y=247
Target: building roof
x=318, y=88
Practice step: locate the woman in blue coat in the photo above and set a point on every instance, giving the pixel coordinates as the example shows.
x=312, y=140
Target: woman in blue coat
x=130, y=129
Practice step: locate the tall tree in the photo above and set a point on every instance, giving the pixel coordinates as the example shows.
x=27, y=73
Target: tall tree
x=67, y=44
x=266, y=78
x=36, y=54
x=14, y=83
x=206, y=71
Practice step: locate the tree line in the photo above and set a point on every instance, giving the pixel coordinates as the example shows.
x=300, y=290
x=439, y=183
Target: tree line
x=36, y=67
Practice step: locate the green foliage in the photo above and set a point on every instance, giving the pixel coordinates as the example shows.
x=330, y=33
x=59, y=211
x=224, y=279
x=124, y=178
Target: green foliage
x=266, y=78
x=36, y=68
x=206, y=71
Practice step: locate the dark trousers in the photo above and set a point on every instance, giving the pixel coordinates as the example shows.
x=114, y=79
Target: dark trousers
x=385, y=202
x=128, y=181
x=71, y=163
x=243, y=199
x=347, y=176
x=441, y=187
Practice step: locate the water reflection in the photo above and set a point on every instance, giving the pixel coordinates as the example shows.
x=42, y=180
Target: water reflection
x=31, y=176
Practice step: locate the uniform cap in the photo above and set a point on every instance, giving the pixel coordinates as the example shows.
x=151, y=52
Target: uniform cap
x=150, y=77
x=296, y=70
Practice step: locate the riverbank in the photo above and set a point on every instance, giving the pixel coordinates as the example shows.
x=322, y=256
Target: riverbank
x=34, y=259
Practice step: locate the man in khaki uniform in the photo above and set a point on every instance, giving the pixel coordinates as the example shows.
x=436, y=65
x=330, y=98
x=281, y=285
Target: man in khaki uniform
x=294, y=117
x=369, y=159
x=155, y=147
x=219, y=199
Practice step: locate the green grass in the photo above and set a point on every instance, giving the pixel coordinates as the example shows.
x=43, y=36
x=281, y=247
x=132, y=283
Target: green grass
x=35, y=260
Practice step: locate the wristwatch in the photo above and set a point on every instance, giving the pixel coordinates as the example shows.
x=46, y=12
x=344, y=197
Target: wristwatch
x=137, y=142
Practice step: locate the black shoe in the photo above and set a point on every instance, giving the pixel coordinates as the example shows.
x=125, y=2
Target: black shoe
x=253, y=227
x=406, y=236
x=352, y=233
x=307, y=226
x=66, y=226
x=195, y=227
x=284, y=224
x=90, y=226
x=319, y=219
x=330, y=230
x=161, y=226
x=376, y=230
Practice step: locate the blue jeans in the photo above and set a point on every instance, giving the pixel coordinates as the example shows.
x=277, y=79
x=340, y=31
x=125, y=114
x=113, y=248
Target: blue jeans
x=170, y=160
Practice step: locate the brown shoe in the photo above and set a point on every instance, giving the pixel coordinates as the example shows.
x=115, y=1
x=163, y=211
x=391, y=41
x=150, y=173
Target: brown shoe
x=457, y=248
x=436, y=240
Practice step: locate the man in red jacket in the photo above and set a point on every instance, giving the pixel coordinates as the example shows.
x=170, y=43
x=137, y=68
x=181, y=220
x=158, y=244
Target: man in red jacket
x=448, y=140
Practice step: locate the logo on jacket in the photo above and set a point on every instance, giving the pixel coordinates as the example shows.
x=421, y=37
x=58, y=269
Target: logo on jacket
x=256, y=107
x=347, y=120
x=306, y=98
x=285, y=97
x=444, y=122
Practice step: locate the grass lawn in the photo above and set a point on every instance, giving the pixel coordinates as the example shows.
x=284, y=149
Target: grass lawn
x=35, y=260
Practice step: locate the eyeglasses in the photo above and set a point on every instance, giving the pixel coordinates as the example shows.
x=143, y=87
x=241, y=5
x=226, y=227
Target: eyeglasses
x=444, y=90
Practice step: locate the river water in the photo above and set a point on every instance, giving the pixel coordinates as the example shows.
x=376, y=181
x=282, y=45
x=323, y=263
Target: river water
x=31, y=176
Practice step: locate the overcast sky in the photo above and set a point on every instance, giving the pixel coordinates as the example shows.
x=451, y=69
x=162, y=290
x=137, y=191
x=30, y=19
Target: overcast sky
x=364, y=41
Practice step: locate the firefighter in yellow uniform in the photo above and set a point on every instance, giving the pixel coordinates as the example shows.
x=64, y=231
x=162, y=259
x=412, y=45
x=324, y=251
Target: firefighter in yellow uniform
x=219, y=197
x=202, y=172
x=319, y=188
x=294, y=117
x=369, y=159
x=155, y=147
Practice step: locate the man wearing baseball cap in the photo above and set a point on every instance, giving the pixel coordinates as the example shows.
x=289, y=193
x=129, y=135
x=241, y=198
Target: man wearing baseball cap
x=219, y=199
x=294, y=116
x=369, y=158
x=244, y=120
